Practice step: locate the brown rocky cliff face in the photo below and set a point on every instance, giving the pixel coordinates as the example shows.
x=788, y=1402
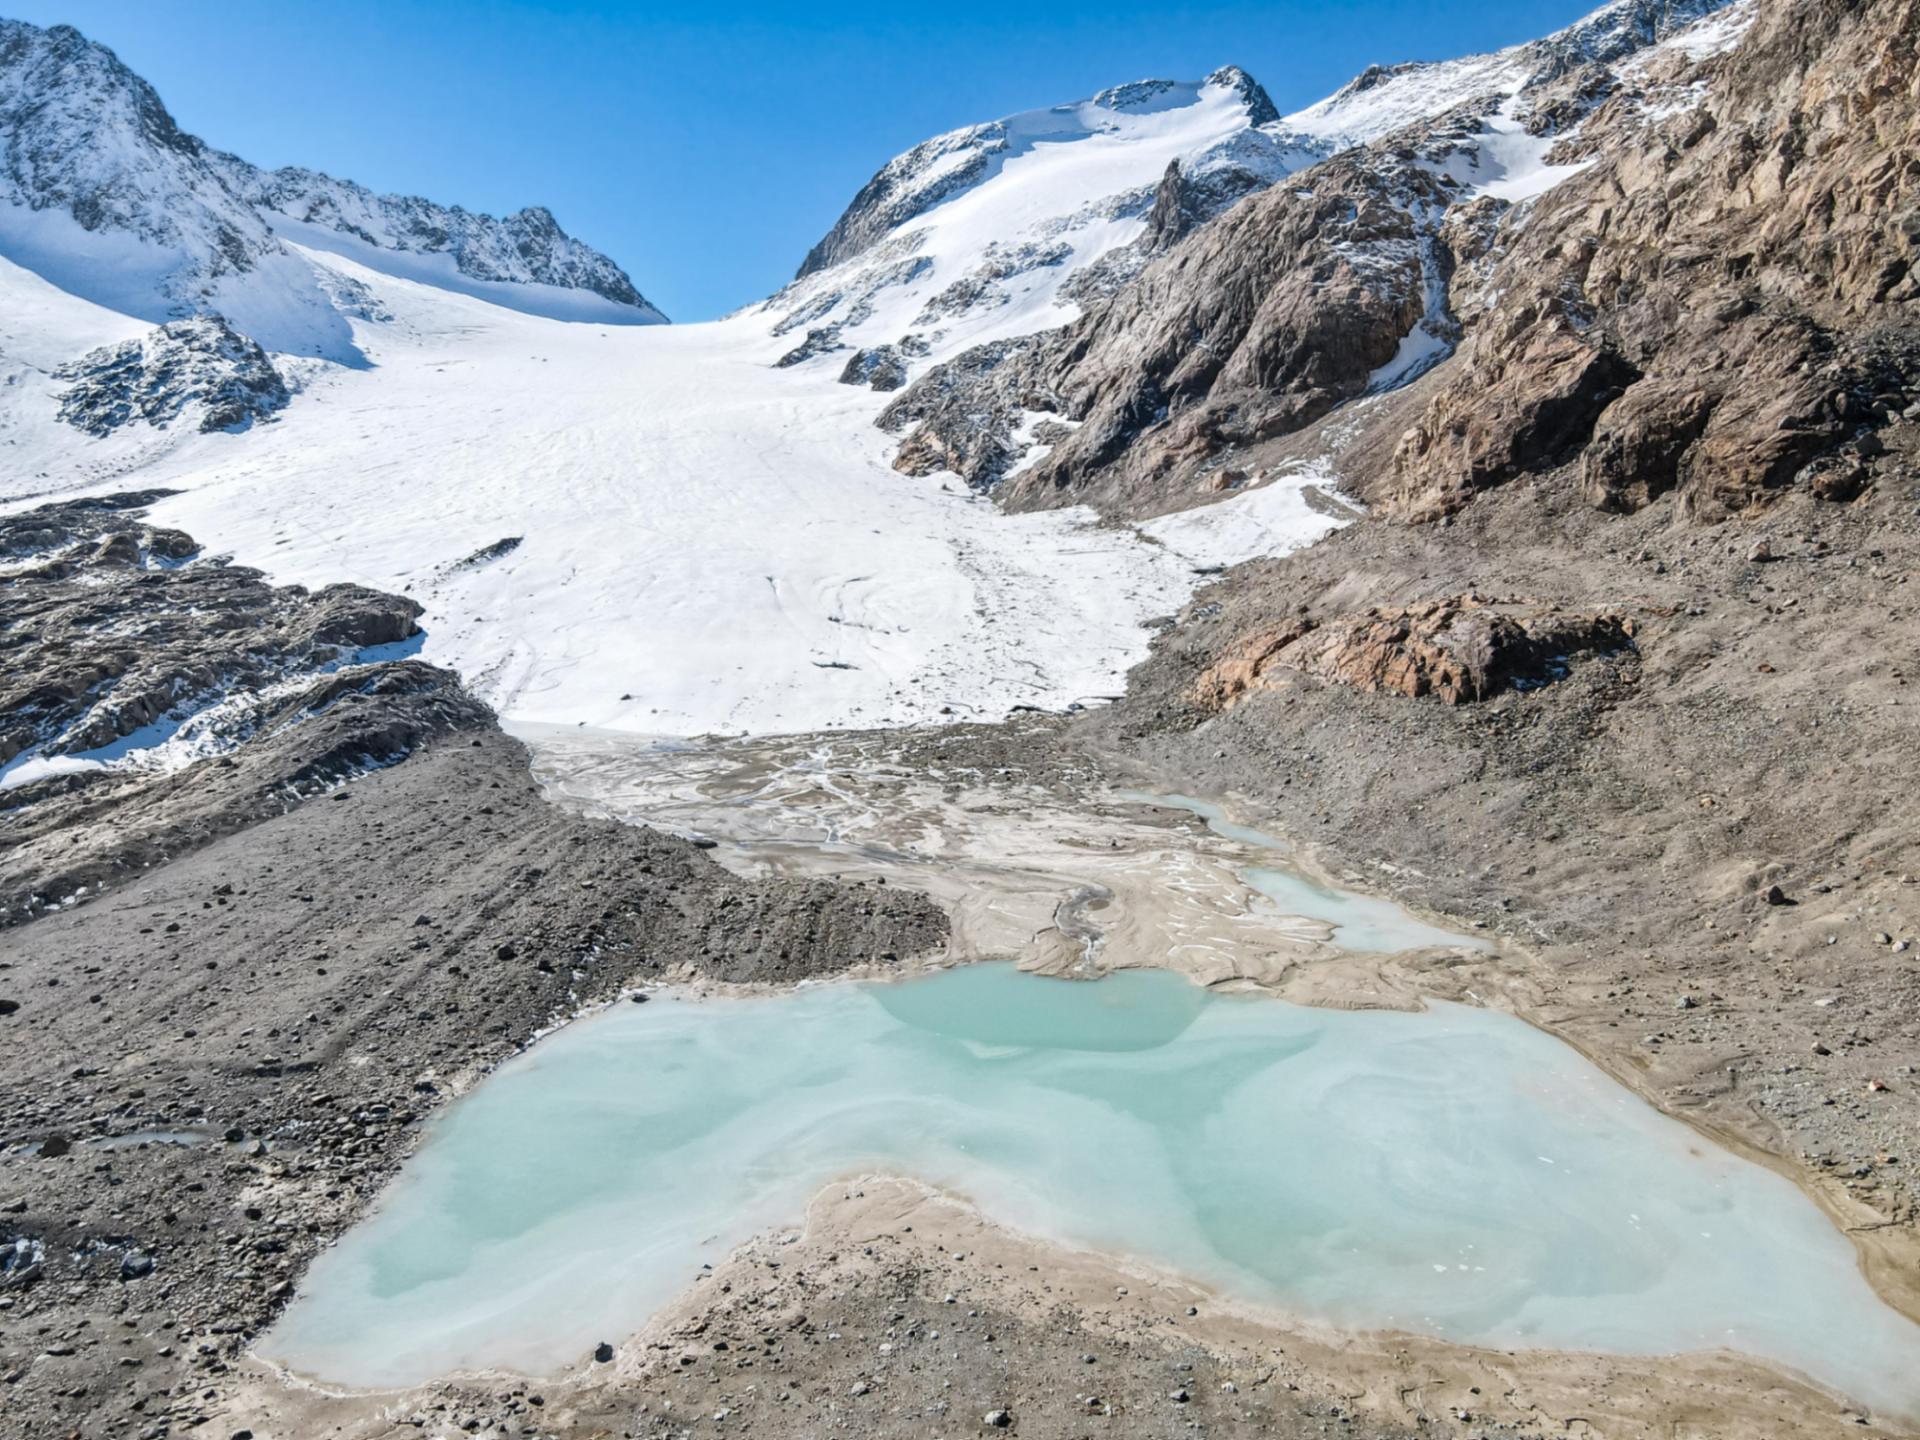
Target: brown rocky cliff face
x=1723, y=304
x=1253, y=325
x=1257, y=324
x=1714, y=305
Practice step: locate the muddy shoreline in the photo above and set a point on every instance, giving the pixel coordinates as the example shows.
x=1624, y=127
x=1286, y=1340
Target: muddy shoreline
x=307, y=992
x=1619, y=1395
x=882, y=1230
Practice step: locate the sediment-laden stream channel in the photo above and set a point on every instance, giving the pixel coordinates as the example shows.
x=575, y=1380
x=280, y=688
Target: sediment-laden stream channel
x=1447, y=1171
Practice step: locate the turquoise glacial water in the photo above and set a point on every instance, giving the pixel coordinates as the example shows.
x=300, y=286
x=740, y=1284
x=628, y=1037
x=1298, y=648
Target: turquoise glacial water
x=1455, y=1173
x=1359, y=922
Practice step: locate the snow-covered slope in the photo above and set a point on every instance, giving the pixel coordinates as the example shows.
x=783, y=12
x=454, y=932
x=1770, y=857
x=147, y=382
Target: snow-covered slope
x=654, y=528
x=105, y=196
x=704, y=543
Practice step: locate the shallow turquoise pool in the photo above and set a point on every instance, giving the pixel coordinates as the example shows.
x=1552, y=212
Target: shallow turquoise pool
x=1455, y=1173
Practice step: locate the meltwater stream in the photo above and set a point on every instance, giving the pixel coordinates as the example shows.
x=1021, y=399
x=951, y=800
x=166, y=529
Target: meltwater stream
x=1454, y=1173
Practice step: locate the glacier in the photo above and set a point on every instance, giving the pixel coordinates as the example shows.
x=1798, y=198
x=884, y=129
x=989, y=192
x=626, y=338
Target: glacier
x=712, y=541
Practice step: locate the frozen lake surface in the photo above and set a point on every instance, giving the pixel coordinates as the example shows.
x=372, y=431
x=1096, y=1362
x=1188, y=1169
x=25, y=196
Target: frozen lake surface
x=1454, y=1173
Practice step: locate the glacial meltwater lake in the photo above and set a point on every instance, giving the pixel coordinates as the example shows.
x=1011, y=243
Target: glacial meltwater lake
x=1455, y=1173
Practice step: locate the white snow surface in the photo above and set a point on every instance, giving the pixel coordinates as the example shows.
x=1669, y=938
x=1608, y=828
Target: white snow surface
x=1714, y=35
x=1273, y=519
x=1709, y=37
x=1390, y=98
x=1504, y=161
x=708, y=545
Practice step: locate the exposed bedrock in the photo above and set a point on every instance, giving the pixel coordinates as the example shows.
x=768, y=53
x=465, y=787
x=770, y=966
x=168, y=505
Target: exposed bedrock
x=1722, y=306
x=961, y=416
x=202, y=366
x=1719, y=307
x=1459, y=649
x=1261, y=322
x=1256, y=324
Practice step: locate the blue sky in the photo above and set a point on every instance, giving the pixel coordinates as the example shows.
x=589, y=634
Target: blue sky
x=705, y=147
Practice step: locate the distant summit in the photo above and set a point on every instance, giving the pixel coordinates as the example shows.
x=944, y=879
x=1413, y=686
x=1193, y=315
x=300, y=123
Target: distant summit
x=994, y=232
x=1000, y=229
x=1260, y=107
x=103, y=193
x=914, y=182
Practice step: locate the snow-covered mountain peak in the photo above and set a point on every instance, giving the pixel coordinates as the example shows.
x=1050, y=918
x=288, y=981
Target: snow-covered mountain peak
x=1260, y=107
x=87, y=136
x=105, y=196
x=999, y=229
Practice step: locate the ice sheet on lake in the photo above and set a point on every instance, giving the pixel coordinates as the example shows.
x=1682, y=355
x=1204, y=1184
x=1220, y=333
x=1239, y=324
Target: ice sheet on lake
x=1455, y=1173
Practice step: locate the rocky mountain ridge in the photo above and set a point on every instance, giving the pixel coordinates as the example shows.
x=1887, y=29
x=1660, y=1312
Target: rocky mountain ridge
x=1350, y=280
x=1385, y=98
x=527, y=247
x=108, y=196
x=955, y=224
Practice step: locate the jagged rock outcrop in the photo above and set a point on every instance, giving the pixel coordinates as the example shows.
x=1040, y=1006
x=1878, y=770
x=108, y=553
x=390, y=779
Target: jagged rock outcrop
x=1722, y=303
x=1183, y=201
x=151, y=701
x=962, y=415
x=110, y=627
x=202, y=364
x=1262, y=322
x=823, y=340
x=1245, y=664
x=884, y=367
x=1459, y=649
x=1260, y=107
x=1175, y=211
x=1252, y=327
x=1539, y=385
